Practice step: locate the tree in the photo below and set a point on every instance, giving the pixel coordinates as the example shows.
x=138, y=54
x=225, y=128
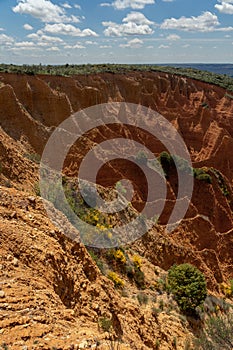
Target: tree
x=188, y=285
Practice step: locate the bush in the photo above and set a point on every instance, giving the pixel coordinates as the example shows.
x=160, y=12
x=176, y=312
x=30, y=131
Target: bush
x=141, y=158
x=137, y=261
x=218, y=334
x=105, y=323
x=205, y=177
x=33, y=157
x=97, y=260
x=119, y=256
x=139, y=278
x=142, y=298
x=118, y=282
x=166, y=162
x=188, y=285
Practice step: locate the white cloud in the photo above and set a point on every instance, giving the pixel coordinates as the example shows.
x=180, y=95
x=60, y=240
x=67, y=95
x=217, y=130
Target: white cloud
x=134, y=4
x=6, y=40
x=68, y=29
x=226, y=1
x=77, y=6
x=53, y=48
x=225, y=7
x=173, y=37
x=168, y=0
x=44, y=10
x=44, y=40
x=224, y=29
x=164, y=46
x=133, y=44
x=66, y=6
x=27, y=26
x=89, y=42
x=77, y=46
x=136, y=17
x=105, y=46
x=206, y=22
x=24, y=48
x=25, y=44
x=135, y=23
x=105, y=4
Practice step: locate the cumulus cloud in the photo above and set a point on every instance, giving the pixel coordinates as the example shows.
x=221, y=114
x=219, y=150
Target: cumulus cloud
x=53, y=48
x=135, y=23
x=105, y=46
x=164, y=46
x=66, y=6
x=89, y=42
x=136, y=17
x=6, y=40
x=44, y=40
x=77, y=6
x=225, y=7
x=173, y=37
x=25, y=44
x=133, y=44
x=44, y=10
x=206, y=22
x=76, y=46
x=134, y=4
x=105, y=4
x=68, y=29
x=27, y=26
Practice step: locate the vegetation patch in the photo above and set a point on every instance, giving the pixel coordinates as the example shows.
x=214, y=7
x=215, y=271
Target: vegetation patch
x=188, y=285
x=222, y=80
x=118, y=282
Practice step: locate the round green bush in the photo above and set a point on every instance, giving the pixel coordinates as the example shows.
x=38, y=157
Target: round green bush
x=188, y=285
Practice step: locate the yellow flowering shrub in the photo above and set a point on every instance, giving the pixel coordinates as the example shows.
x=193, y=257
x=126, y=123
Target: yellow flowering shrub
x=137, y=261
x=119, y=256
x=226, y=289
x=116, y=279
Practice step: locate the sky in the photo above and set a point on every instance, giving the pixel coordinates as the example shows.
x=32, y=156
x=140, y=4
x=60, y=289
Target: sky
x=116, y=31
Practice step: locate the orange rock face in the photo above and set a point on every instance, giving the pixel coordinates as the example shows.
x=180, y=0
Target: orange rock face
x=30, y=108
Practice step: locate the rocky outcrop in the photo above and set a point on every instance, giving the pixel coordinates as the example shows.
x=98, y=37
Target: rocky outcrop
x=56, y=276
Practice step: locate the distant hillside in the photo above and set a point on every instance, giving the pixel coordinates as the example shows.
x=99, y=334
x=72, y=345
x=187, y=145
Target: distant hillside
x=217, y=68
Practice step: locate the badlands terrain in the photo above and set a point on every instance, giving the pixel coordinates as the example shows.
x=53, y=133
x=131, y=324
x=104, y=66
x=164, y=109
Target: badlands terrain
x=55, y=292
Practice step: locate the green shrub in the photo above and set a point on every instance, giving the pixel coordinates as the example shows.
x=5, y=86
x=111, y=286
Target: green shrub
x=97, y=260
x=166, y=162
x=141, y=158
x=204, y=177
x=217, y=334
x=105, y=323
x=37, y=188
x=139, y=278
x=142, y=298
x=188, y=285
x=34, y=157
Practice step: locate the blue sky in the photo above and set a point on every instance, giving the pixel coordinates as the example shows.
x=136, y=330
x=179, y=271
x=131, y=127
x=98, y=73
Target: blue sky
x=116, y=31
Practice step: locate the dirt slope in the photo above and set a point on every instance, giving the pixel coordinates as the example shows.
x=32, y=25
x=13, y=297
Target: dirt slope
x=53, y=293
